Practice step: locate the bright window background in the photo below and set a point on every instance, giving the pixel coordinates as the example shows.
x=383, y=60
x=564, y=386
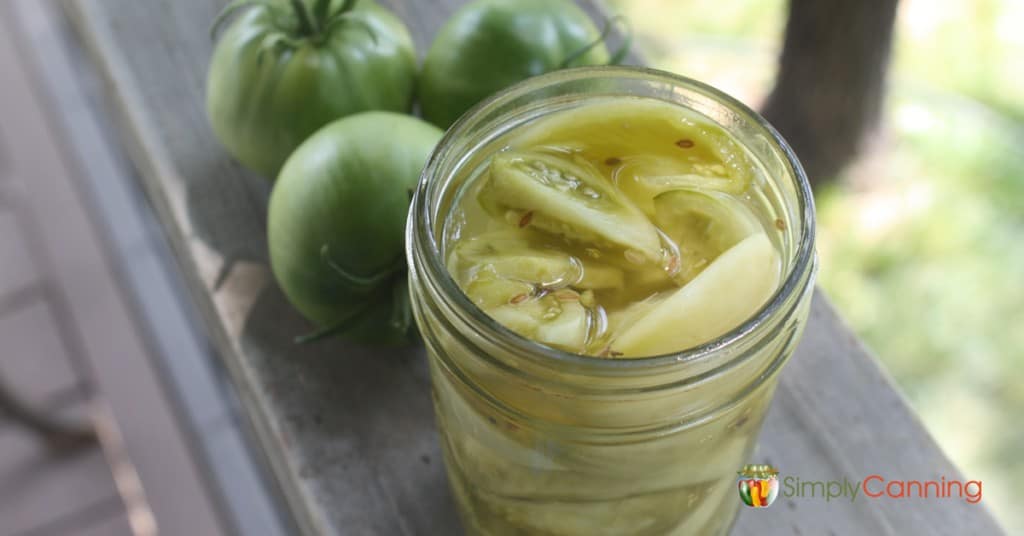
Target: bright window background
x=922, y=239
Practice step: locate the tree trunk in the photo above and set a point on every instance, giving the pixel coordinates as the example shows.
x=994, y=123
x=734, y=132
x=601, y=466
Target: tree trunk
x=831, y=79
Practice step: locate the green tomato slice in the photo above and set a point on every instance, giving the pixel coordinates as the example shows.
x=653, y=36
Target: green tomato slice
x=567, y=197
x=556, y=318
x=657, y=183
x=703, y=224
x=723, y=296
x=679, y=148
x=508, y=255
x=487, y=290
x=554, y=270
x=543, y=295
x=718, y=164
x=547, y=320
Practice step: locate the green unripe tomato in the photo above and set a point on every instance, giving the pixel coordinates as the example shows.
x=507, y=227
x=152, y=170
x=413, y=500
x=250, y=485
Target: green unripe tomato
x=488, y=45
x=274, y=80
x=337, y=221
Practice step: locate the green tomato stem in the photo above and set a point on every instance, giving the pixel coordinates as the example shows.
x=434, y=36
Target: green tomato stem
x=401, y=309
x=627, y=40
x=356, y=283
x=337, y=328
x=619, y=54
x=321, y=21
x=231, y=8
x=346, y=6
x=320, y=9
x=306, y=27
x=343, y=18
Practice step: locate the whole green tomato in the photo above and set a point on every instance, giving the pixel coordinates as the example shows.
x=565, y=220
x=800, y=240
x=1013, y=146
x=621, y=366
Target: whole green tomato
x=488, y=45
x=285, y=68
x=337, y=222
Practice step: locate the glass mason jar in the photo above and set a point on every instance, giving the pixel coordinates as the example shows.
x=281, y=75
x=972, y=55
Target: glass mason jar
x=541, y=441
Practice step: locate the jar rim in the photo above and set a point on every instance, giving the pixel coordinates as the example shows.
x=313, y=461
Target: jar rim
x=421, y=226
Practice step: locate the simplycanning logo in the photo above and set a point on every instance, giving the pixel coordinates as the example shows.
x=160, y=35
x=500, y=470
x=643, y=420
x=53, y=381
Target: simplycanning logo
x=759, y=485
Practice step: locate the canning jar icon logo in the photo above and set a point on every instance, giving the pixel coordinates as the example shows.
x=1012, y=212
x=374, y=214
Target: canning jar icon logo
x=758, y=485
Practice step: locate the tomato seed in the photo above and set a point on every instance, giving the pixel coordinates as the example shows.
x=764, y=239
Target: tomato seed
x=673, y=264
x=634, y=257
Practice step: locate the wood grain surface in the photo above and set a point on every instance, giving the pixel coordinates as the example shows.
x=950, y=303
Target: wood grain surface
x=350, y=431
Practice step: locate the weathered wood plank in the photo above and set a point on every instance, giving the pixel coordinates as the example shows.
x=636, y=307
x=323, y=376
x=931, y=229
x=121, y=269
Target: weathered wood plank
x=350, y=431
x=94, y=319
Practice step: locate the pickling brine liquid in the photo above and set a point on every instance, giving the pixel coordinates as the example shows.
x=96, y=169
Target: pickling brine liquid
x=617, y=229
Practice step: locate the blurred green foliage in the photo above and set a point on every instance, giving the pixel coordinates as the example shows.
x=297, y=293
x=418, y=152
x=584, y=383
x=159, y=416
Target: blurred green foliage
x=921, y=240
